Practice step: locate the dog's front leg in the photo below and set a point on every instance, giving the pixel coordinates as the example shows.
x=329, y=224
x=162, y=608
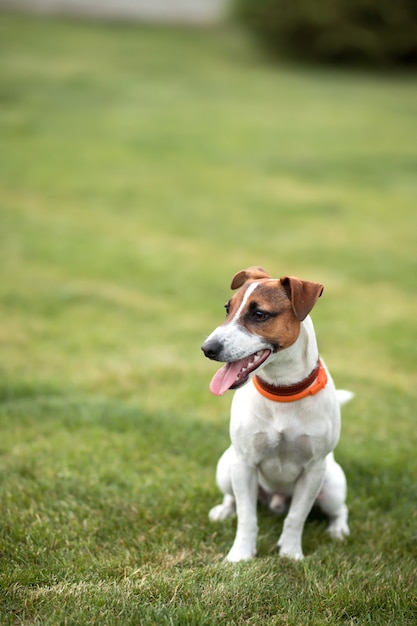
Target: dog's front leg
x=306, y=491
x=245, y=489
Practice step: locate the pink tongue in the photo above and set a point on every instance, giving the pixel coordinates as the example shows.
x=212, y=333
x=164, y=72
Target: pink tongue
x=225, y=377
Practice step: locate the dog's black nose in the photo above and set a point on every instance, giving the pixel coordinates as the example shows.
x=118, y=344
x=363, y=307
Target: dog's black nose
x=212, y=349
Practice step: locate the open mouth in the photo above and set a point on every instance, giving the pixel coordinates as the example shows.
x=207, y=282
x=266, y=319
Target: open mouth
x=235, y=374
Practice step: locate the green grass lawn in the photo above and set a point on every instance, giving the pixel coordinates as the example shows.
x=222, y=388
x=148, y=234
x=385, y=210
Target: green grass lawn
x=140, y=168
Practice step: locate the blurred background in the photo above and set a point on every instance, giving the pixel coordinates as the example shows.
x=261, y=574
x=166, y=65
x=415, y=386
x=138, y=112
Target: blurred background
x=155, y=148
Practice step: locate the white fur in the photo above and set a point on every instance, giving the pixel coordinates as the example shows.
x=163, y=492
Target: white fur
x=284, y=449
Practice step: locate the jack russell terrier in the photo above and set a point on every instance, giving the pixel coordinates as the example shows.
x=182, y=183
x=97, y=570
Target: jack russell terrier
x=285, y=416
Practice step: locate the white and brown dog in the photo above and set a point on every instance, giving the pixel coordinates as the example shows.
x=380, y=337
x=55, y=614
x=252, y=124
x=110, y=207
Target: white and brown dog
x=285, y=422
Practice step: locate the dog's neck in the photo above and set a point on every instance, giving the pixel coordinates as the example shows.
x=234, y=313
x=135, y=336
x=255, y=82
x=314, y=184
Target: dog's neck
x=295, y=363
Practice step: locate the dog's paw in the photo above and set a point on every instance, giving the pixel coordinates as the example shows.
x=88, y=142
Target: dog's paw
x=290, y=549
x=237, y=554
x=338, y=529
x=290, y=554
x=221, y=512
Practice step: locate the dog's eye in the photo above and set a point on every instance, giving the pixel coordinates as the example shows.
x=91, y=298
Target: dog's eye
x=260, y=316
x=227, y=307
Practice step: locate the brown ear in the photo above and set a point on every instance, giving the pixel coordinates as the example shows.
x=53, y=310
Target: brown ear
x=302, y=293
x=252, y=273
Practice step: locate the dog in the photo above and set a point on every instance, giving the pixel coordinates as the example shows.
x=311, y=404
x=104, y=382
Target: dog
x=285, y=415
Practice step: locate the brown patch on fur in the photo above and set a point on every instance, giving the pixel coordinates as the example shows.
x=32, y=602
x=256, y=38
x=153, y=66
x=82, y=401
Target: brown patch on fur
x=282, y=328
x=252, y=273
x=302, y=293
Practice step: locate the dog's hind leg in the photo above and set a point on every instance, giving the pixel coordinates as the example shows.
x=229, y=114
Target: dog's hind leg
x=332, y=499
x=224, y=480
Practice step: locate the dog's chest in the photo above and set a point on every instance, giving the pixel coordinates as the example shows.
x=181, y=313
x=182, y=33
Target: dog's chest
x=283, y=445
x=281, y=456
x=280, y=439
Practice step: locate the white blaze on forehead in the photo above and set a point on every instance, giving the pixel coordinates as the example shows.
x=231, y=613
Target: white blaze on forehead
x=237, y=342
x=249, y=291
x=226, y=332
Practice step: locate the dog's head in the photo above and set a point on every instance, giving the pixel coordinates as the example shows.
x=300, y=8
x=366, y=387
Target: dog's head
x=262, y=318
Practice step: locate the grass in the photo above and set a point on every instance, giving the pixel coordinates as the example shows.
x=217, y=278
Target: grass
x=140, y=168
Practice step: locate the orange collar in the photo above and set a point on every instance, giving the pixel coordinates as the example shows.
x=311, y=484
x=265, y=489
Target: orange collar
x=309, y=386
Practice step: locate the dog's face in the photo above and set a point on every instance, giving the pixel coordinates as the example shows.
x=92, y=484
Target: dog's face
x=262, y=318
